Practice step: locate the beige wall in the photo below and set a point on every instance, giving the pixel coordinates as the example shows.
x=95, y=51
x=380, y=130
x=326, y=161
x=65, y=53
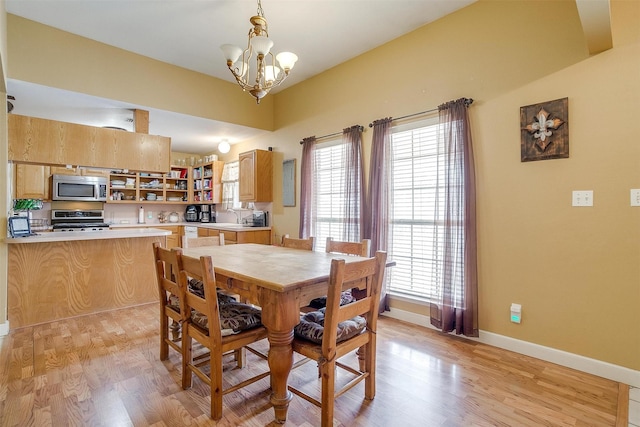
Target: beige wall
x=574, y=270
x=47, y=56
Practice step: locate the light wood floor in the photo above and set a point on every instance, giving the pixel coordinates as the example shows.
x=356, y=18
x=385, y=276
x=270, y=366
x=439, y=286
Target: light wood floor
x=103, y=370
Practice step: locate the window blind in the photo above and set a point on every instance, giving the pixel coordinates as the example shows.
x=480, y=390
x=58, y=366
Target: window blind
x=329, y=192
x=415, y=237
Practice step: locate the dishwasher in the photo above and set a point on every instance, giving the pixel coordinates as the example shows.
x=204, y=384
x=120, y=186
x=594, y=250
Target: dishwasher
x=190, y=231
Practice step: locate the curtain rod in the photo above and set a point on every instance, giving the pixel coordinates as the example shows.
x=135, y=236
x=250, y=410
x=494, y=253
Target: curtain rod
x=334, y=134
x=467, y=102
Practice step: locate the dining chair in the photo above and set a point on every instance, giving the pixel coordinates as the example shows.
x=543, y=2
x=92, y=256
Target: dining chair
x=196, y=242
x=171, y=306
x=362, y=248
x=328, y=334
x=304, y=244
x=220, y=328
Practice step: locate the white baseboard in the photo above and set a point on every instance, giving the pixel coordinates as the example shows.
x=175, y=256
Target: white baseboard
x=4, y=328
x=563, y=358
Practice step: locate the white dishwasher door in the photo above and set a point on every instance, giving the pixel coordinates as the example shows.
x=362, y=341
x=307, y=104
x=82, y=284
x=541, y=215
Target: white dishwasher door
x=190, y=232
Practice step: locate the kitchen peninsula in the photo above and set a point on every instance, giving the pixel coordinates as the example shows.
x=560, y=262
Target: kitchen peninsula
x=54, y=276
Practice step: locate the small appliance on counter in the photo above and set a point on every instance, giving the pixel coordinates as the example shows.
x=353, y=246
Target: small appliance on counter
x=260, y=218
x=192, y=214
x=205, y=213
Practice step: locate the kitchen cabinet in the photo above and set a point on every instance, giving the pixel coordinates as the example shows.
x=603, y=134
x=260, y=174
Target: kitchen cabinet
x=35, y=140
x=32, y=182
x=256, y=176
x=172, y=188
x=262, y=237
x=177, y=185
x=207, y=183
x=63, y=170
x=206, y=232
x=174, y=240
x=245, y=235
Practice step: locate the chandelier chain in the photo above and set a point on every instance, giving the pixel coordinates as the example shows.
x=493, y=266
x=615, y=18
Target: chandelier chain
x=260, y=11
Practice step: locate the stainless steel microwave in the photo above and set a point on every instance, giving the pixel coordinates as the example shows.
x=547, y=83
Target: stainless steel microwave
x=79, y=188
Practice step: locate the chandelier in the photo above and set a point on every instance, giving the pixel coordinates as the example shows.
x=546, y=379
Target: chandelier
x=266, y=75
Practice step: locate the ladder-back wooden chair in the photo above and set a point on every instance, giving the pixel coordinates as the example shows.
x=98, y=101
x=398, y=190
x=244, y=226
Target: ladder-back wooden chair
x=171, y=306
x=304, y=244
x=196, y=242
x=221, y=328
x=348, y=248
x=362, y=248
x=325, y=336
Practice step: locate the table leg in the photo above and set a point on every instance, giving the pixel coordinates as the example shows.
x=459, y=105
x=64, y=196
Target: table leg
x=280, y=362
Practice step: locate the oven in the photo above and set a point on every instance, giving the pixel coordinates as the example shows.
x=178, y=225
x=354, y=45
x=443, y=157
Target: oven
x=78, y=220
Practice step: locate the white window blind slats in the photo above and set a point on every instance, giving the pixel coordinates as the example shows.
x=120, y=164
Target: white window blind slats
x=414, y=238
x=330, y=191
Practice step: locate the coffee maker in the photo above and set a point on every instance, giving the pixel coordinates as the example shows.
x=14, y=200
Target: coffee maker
x=192, y=214
x=205, y=213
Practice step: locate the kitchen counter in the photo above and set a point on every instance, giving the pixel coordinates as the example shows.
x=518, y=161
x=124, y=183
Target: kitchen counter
x=225, y=226
x=67, y=236
x=57, y=275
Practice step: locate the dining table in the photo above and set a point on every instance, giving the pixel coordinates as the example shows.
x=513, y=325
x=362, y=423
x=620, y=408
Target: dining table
x=279, y=280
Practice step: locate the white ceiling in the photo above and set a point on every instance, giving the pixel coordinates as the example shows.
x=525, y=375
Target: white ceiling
x=187, y=33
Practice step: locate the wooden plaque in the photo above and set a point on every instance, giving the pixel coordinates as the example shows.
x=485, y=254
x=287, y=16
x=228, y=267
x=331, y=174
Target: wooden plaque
x=544, y=130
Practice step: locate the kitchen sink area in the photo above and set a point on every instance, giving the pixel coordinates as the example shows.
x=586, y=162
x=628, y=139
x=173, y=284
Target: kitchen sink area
x=232, y=225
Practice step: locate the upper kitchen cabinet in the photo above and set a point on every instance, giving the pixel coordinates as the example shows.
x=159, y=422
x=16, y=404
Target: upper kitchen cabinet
x=256, y=176
x=32, y=182
x=34, y=140
x=207, y=182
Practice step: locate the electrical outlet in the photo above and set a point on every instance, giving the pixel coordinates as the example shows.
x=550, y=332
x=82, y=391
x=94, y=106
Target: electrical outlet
x=582, y=198
x=635, y=197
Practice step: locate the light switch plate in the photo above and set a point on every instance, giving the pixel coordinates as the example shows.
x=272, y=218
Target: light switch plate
x=582, y=198
x=635, y=197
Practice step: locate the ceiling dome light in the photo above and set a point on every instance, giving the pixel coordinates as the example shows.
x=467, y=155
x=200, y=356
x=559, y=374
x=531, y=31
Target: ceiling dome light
x=224, y=147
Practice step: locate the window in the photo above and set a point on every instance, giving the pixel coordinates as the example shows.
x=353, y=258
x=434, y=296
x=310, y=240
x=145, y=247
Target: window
x=330, y=195
x=414, y=238
x=230, y=185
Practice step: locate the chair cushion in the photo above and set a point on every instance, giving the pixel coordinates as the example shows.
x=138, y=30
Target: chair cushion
x=197, y=287
x=345, y=298
x=311, y=327
x=234, y=317
x=174, y=302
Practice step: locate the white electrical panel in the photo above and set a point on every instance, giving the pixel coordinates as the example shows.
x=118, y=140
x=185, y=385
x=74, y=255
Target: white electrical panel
x=635, y=197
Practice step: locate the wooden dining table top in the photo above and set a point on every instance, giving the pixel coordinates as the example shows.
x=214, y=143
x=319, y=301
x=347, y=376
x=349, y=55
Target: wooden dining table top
x=274, y=267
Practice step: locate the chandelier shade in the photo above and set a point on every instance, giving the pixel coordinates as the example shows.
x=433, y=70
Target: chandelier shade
x=261, y=45
x=254, y=68
x=231, y=52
